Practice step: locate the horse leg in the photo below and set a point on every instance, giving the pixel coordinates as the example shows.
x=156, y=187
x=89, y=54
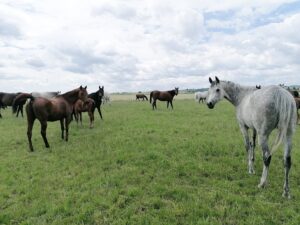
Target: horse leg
x=67, y=122
x=43, y=132
x=251, y=155
x=167, y=104
x=80, y=117
x=263, y=139
x=30, y=122
x=62, y=128
x=91, y=118
x=22, y=111
x=245, y=134
x=99, y=110
x=171, y=104
x=287, y=164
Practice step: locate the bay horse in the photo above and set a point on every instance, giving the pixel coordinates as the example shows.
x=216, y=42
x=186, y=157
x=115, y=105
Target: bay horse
x=86, y=106
x=142, y=96
x=276, y=109
x=163, y=96
x=59, y=107
x=97, y=97
x=6, y=99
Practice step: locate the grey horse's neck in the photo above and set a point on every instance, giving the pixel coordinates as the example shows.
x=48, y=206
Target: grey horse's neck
x=235, y=93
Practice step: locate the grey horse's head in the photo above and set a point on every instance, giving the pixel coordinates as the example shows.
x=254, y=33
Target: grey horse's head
x=215, y=93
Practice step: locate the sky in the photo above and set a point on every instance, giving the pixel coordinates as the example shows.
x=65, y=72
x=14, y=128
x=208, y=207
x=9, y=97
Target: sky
x=136, y=45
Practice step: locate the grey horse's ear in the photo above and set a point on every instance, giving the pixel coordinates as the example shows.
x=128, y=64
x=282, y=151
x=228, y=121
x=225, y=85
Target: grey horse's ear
x=217, y=80
x=80, y=87
x=85, y=87
x=210, y=80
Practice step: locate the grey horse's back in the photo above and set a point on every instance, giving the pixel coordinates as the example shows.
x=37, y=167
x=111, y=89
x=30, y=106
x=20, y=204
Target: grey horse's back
x=279, y=106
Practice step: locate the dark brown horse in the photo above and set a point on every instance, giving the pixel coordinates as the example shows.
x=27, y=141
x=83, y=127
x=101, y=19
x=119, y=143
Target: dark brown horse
x=87, y=106
x=6, y=99
x=142, y=96
x=163, y=96
x=97, y=97
x=56, y=108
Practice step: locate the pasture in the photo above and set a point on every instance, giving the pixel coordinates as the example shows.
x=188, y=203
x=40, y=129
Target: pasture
x=139, y=166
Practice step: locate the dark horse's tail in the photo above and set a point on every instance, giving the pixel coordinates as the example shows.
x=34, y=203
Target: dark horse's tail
x=151, y=94
x=20, y=98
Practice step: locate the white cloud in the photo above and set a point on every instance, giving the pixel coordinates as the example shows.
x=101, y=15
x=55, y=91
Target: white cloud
x=134, y=45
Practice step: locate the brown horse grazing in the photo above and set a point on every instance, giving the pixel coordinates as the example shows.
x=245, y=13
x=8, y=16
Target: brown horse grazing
x=163, y=96
x=59, y=107
x=142, y=96
x=86, y=106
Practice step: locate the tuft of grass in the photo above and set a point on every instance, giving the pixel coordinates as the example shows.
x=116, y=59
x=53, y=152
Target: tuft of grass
x=139, y=166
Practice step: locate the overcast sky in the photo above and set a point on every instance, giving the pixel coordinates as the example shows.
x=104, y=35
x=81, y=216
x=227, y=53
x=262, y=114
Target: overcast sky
x=140, y=45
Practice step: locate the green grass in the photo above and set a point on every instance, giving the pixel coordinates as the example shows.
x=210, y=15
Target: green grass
x=138, y=166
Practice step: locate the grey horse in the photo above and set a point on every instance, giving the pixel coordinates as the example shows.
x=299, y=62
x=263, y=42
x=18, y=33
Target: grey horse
x=261, y=110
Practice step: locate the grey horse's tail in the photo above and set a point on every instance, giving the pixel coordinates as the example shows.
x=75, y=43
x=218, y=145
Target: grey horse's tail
x=287, y=118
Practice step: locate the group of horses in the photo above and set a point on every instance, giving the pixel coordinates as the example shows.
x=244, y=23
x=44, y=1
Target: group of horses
x=53, y=106
x=276, y=110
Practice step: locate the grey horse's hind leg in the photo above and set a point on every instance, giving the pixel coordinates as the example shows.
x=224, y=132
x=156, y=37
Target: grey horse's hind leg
x=287, y=165
x=263, y=139
x=248, y=147
x=251, y=153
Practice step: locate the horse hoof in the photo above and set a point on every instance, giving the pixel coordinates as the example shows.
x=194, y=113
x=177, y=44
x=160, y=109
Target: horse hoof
x=286, y=195
x=252, y=172
x=262, y=185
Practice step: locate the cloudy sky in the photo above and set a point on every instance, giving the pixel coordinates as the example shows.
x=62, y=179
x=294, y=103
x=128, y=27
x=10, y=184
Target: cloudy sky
x=137, y=45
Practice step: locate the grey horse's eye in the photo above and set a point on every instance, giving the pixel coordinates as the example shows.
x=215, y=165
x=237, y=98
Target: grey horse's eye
x=218, y=90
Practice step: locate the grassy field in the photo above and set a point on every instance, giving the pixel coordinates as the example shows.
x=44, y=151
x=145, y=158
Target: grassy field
x=138, y=166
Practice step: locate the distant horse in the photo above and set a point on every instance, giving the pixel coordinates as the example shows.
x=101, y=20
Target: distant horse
x=97, y=97
x=6, y=99
x=163, y=96
x=86, y=106
x=297, y=100
x=258, y=86
x=59, y=107
x=106, y=99
x=262, y=111
x=200, y=96
x=142, y=96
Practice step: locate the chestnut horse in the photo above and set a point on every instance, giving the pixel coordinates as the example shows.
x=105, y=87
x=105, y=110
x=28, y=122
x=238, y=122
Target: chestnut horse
x=87, y=106
x=163, y=96
x=59, y=107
